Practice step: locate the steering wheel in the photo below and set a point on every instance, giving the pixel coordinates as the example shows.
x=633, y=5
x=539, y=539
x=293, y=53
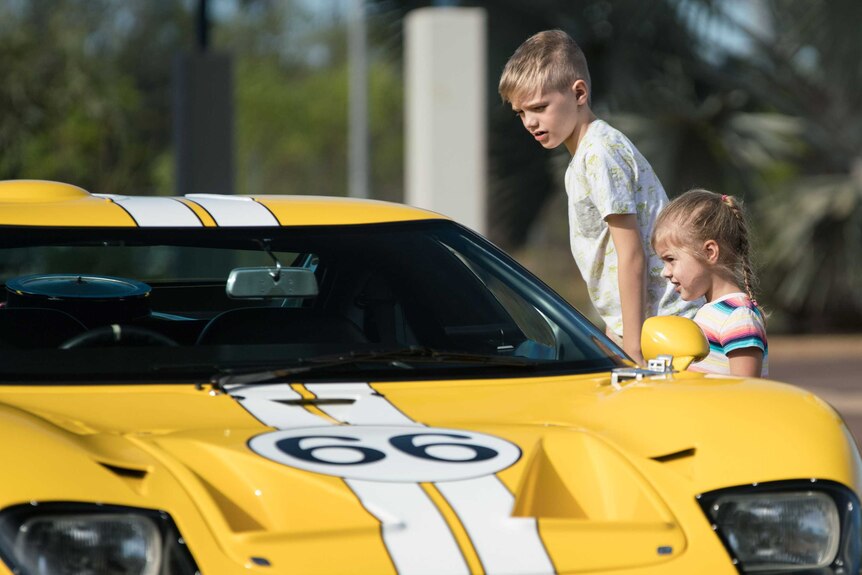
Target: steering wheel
x=116, y=334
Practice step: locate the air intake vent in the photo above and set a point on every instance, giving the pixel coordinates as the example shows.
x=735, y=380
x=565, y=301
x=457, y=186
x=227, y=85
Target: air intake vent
x=125, y=472
x=682, y=454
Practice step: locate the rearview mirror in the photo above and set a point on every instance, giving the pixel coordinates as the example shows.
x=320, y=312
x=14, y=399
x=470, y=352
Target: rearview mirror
x=268, y=283
x=675, y=336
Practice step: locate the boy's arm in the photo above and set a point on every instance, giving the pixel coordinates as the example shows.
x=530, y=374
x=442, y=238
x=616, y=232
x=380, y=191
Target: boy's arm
x=631, y=266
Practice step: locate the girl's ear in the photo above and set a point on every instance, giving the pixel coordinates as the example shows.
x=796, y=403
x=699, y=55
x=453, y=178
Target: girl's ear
x=710, y=251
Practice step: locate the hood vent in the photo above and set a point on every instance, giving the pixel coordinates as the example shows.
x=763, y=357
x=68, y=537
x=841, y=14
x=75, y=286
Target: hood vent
x=134, y=477
x=681, y=454
x=125, y=472
x=316, y=401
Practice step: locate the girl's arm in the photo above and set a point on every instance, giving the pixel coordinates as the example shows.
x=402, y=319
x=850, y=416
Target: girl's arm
x=746, y=362
x=631, y=266
x=743, y=336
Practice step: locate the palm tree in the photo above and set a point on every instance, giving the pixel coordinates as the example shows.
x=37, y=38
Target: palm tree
x=801, y=74
x=812, y=217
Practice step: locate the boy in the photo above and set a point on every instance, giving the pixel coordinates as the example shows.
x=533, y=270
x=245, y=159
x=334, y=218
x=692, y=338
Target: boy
x=613, y=194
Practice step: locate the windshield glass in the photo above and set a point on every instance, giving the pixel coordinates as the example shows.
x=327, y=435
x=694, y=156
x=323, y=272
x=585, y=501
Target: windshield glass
x=385, y=301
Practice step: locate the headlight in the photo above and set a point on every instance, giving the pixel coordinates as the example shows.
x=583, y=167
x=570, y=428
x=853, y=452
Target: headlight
x=782, y=527
x=776, y=530
x=80, y=539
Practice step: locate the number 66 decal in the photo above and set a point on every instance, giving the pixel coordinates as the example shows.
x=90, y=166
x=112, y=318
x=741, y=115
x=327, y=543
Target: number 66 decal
x=388, y=453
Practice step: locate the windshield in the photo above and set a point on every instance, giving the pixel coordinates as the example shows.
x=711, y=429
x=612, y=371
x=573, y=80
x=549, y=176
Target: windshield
x=384, y=301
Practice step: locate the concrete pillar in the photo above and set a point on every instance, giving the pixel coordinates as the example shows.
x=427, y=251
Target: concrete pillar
x=446, y=119
x=203, y=123
x=358, y=140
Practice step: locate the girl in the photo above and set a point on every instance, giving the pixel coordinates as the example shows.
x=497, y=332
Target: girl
x=702, y=238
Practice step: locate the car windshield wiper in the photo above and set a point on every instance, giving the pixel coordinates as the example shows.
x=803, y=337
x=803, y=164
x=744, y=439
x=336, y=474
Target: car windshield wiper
x=399, y=358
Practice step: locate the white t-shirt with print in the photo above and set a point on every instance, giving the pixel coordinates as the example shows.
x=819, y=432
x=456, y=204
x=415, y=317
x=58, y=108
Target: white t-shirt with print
x=607, y=175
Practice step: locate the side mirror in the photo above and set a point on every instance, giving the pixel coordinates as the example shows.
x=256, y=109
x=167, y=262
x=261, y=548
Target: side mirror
x=270, y=283
x=675, y=336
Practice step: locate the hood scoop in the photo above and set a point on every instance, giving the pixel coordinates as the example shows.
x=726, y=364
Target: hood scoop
x=578, y=476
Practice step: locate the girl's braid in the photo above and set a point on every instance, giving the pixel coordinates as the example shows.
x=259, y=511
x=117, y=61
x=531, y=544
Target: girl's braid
x=744, y=247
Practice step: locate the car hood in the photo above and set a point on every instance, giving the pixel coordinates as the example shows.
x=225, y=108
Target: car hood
x=501, y=476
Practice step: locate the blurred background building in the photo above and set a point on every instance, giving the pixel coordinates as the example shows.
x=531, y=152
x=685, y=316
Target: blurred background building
x=759, y=99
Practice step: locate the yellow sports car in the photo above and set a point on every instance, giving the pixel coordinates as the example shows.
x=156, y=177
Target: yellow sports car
x=288, y=385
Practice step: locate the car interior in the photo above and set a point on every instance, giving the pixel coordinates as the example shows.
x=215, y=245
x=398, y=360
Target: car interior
x=309, y=291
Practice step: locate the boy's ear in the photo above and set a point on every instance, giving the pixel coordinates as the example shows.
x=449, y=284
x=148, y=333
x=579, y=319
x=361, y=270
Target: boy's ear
x=581, y=91
x=711, y=251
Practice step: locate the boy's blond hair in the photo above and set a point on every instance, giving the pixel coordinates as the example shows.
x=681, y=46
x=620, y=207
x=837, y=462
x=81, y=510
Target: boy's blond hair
x=549, y=60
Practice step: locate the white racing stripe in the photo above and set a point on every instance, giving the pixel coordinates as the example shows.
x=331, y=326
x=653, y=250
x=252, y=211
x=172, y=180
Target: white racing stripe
x=414, y=531
x=506, y=545
x=155, y=211
x=230, y=211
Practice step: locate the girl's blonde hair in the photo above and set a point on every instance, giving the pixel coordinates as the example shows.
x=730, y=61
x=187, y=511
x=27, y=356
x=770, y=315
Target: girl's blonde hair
x=700, y=215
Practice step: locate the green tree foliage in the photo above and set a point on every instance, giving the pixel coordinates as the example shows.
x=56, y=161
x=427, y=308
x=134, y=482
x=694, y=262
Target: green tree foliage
x=85, y=94
x=292, y=129
x=810, y=213
x=291, y=72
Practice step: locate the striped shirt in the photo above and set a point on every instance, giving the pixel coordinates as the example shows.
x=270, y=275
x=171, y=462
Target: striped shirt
x=729, y=323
